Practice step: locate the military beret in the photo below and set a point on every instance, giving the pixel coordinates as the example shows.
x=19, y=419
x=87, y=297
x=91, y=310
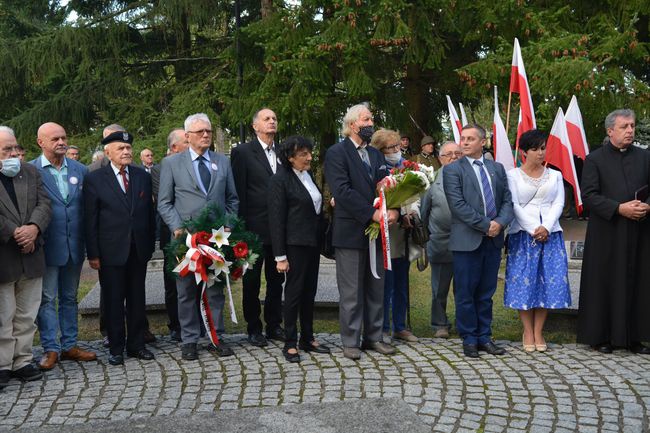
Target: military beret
x=121, y=136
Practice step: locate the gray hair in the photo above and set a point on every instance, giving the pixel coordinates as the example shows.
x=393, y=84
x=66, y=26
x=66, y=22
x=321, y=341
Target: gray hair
x=113, y=127
x=610, y=120
x=257, y=113
x=171, y=138
x=72, y=146
x=193, y=118
x=481, y=131
x=8, y=130
x=351, y=116
x=97, y=155
x=447, y=143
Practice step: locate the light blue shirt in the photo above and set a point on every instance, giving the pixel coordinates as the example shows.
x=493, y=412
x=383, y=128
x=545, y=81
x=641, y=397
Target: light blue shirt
x=60, y=175
x=205, y=159
x=476, y=169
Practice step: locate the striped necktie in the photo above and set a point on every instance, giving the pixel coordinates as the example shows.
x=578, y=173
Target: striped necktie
x=490, y=206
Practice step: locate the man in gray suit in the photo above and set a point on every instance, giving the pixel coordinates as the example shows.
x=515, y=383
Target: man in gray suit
x=24, y=215
x=189, y=181
x=481, y=207
x=435, y=210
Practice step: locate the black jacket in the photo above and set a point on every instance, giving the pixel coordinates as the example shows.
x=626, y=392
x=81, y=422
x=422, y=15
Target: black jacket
x=292, y=217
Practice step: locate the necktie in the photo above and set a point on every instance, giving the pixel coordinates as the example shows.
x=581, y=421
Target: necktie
x=125, y=180
x=363, y=152
x=270, y=155
x=204, y=172
x=490, y=206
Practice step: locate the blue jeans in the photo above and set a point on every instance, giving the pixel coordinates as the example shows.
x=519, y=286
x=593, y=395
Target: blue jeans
x=396, y=294
x=60, y=282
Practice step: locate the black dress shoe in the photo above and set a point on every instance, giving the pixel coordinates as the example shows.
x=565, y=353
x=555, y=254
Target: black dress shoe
x=27, y=373
x=116, y=359
x=5, y=375
x=309, y=347
x=141, y=354
x=470, y=350
x=222, y=349
x=175, y=335
x=603, y=348
x=188, y=352
x=257, y=339
x=492, y=348
x=291, y=357
x=276, y=333
x=106, y=343
x=149, y=337
x=639, y=349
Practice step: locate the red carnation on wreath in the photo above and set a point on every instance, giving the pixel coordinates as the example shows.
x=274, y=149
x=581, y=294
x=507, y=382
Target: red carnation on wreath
x=240, y=250
x=203, y=238
x=237, y=273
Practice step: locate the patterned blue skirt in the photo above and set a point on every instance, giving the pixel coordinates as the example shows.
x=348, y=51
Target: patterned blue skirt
x=536, y=273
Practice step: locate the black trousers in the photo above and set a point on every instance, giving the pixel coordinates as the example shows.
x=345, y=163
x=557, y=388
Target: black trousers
x=125, y=283
x=251, y=293
x=169, y=280
x=299, y=293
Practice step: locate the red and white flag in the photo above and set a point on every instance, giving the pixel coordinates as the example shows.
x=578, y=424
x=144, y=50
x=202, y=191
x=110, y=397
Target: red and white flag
x=463, y=116
x=519, y=84
x=502, y=149
x=559, y=154
x=456, y=127
x=576, y=130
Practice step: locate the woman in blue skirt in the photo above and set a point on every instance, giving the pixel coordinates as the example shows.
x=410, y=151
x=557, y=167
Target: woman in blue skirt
x=536, y=268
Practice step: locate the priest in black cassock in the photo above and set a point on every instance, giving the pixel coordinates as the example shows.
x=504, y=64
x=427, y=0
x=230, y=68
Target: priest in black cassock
x=615, y=281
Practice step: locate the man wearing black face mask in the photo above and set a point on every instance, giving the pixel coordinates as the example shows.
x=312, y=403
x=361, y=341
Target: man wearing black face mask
x=352, y=170
x=24, y=214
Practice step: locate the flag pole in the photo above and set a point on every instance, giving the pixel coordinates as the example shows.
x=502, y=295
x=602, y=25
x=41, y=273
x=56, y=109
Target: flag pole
x=508, y=112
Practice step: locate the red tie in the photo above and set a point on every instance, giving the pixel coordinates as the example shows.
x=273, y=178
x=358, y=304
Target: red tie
x=125, y=181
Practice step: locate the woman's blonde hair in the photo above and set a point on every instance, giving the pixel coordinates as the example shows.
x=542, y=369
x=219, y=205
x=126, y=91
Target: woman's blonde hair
x=384, y=138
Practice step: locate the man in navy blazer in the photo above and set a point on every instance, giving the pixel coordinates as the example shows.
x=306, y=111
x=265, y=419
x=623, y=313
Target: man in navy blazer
x=481, y=207
x=119, y=226
x=64, y=248
x=352, y=170
x=189, y=181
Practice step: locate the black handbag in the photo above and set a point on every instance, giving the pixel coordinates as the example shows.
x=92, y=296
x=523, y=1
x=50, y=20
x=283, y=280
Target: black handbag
x=326, y=248
x=419, y=231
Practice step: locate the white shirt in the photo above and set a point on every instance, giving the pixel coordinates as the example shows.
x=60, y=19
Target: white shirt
x=270, y=154
x=311, y=188
x=119, y=176
x=536, y=202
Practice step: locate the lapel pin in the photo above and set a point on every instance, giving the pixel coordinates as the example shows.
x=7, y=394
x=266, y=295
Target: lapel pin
x=74, y=180
x=214, y=166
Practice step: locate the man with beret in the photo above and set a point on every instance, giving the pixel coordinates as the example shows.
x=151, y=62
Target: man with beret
x=427, y=155
x=120, y=225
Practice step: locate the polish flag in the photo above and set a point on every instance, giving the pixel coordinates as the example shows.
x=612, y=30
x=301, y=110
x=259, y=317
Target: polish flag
x=576, y=130
x=456, y=127
x=502, y=149
x=559, y=154
x=463, y=116
x=519, y=84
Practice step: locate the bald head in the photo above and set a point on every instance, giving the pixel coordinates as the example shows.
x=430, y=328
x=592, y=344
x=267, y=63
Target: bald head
x=52, y=139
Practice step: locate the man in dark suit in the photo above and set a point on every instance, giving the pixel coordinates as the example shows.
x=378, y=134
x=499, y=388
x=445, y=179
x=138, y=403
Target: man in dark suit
x=481, y=207
x=352, y=170
x=64, y=248
x=24, y=214
x=190, y=181
x=119, y=222
x=176, y=143
x=146, y=158
x=253, y=164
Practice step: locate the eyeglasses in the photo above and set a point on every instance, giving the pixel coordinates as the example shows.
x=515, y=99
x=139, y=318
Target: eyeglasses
x=10, y=149
x=394, y=146
x=201, y=131
x=450, y=154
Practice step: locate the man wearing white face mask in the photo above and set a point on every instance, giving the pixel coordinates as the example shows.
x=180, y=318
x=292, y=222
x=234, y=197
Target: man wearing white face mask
x=24, y=214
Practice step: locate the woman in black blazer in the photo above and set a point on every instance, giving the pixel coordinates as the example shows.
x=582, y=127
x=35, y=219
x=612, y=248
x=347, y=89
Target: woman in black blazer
x=295, y=220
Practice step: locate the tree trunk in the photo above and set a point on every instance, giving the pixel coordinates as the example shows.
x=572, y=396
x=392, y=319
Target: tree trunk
x=266, y=8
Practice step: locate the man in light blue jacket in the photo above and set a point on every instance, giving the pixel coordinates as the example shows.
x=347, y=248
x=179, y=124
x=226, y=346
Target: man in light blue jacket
x=64, y=248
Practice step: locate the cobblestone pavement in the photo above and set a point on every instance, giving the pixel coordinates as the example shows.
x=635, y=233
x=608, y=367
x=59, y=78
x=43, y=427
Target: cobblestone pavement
x=567, y=389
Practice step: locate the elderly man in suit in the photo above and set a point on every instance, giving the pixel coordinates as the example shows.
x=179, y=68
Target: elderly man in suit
x=352, y=170
x=435, y=211
x=64, y=248
x=24, y=215
x=253, y=164
x=119, y=224
x=189, y=181
x=481, y=207
x=176, y=143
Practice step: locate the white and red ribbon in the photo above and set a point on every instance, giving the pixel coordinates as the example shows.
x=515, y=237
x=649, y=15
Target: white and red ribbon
x=380, y=203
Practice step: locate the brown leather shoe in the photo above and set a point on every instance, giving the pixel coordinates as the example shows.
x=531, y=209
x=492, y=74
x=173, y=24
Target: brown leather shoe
x=76, y=354
x=48, y=361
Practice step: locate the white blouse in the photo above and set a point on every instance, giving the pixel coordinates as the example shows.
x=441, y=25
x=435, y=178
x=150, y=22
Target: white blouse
x=537, y=201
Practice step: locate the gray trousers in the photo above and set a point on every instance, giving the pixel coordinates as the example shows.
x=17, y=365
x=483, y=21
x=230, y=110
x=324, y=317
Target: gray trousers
x=441, y=275
x=361, y=303
x=189, y=315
